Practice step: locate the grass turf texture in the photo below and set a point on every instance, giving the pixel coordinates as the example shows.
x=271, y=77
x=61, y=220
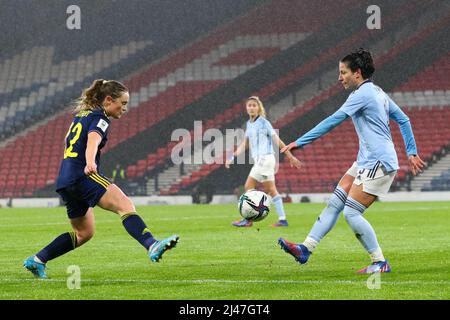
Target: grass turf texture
x=217, y=261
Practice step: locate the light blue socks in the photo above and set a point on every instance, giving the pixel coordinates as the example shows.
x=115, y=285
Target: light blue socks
x=278, y=203
x=329, y=215
x=361, y=227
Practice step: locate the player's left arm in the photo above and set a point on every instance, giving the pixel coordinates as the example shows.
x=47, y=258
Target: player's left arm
x=416, y=164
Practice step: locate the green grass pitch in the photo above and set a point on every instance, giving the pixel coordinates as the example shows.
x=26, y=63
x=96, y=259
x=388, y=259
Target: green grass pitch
x=217, y=261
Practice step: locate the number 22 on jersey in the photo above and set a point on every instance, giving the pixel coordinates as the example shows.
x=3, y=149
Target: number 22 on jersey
x=68, y=153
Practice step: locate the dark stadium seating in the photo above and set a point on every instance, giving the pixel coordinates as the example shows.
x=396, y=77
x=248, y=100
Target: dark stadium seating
x=325, y=185
x=440, y=183
x=164, y=89
x=276, y=85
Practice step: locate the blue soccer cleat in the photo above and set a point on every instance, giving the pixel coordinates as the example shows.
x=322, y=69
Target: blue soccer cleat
x=242, y=223
x=298, y=251
x=376, y=267
x=36, y=268
x=157, y=249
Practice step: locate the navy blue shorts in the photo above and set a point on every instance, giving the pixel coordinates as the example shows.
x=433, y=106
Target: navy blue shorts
x=84, y=194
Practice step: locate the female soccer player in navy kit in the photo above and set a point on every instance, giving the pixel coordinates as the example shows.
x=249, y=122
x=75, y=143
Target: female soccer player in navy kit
x=81, y=186
x=376, y=165
x=259, y=135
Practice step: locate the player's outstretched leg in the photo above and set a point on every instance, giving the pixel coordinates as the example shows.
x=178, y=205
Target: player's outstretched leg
x=321, y=227
x=137, y=228
x=116, y=201
x=327, y=219
x=297, y=250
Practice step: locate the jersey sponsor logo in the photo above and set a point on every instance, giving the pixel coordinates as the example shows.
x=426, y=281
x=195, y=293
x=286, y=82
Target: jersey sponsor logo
x=102, y=124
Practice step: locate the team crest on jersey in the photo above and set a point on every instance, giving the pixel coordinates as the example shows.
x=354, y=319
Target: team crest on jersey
x=102, y=124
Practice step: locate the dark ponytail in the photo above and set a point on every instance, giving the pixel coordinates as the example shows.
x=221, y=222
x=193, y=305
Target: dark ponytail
x=360, y=59
x=92, y=97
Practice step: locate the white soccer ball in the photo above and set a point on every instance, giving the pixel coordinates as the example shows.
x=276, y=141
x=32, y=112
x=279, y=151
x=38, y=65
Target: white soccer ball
x=254, y=205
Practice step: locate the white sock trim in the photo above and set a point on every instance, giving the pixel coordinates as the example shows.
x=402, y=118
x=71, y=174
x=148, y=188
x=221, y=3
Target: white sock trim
x=310, y=243
x=377, y=255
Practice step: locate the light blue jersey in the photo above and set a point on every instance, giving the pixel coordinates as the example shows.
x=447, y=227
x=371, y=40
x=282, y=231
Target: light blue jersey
x=259, y=134
x=370, y=109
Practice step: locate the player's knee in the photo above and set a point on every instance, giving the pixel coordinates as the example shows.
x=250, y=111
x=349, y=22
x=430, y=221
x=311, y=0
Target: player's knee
x=272, y=192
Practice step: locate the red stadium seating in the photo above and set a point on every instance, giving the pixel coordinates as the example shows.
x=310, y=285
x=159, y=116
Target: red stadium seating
x=39, y=165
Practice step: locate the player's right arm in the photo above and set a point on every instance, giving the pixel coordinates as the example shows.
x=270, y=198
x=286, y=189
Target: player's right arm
x=93, y=141
x=319, y=130
x=354, y=102
x=242, y=147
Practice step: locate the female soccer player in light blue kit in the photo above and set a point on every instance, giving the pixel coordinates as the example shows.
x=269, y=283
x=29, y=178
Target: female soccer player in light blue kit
x=375, y=168
x=260, y=135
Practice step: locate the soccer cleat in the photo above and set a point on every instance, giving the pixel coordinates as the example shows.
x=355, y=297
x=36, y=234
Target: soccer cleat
x=157, y=249
x=376, y=267
x=280, y=223
x=298, y=251
x=36, y=268
x=242, y=223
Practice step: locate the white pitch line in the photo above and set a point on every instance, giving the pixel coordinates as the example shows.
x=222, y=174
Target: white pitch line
x=202, y=281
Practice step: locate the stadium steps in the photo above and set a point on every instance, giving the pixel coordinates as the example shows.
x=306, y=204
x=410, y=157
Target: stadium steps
x=55, y=80
x=168, y=177
x=311, y=64
x=275, y=112
x=423, y=180
x=392, y=56
x=422, y=98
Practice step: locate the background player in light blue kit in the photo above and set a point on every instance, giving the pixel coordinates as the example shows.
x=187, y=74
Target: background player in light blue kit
x=375, y=168
x=260, y=135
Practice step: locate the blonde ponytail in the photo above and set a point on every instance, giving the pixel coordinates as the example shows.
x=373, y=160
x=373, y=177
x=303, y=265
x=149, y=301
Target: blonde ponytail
x=92, y=97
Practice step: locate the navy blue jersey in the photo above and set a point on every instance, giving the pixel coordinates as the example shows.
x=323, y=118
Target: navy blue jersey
x=74, y=162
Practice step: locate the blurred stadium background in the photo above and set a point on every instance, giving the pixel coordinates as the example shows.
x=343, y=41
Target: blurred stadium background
x=187, y=61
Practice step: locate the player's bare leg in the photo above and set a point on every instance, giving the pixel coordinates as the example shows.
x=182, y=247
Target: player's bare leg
x=84, y=227
x=250, y=183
